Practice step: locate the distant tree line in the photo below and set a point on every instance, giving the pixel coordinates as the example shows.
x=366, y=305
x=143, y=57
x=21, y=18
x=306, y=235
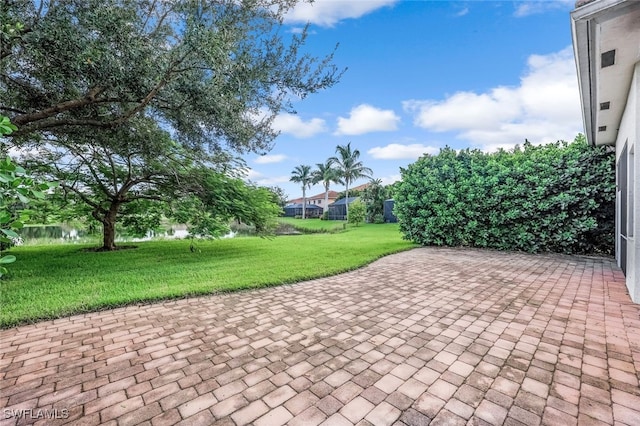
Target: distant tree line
x=344, y=168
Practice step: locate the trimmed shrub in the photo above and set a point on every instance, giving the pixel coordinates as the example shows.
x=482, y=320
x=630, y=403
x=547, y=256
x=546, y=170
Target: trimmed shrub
x=378, y=219
x=550, y=198
x=357, y=211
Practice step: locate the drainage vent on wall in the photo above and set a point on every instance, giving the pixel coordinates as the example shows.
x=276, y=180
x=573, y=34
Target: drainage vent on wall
x=608, y=58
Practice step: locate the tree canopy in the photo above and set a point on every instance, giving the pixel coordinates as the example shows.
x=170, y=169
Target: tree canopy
x=374, y=196
x=302, y=175
x=326, y=174
x=213, y=72
x=129, y=102
x=349, y=167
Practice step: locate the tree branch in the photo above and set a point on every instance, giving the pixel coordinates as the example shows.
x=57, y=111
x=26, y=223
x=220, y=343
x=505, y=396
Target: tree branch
x=114, y=176
x=84, y=198
x=94, y=174
x=142, y=197
x=17, y=111
x=88, y=99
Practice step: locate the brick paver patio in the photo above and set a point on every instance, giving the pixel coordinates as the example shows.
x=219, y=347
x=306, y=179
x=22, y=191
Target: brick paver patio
x=439, y=336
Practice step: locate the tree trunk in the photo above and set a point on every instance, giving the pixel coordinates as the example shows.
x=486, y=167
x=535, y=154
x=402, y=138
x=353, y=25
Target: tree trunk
x=109, y=228
x=304, y=203
x=346, y=201
x=326, y=200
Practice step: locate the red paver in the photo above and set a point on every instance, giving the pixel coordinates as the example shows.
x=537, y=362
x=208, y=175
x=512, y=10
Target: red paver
x=439, y=335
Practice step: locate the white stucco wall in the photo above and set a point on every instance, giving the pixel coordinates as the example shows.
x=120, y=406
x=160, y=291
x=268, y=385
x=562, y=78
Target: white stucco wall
x=629, y=134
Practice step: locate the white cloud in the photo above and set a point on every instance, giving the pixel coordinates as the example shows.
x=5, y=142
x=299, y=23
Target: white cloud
x=270, y=159
x=388, y=180
x=395, y=151
x=462, y=12
x=545, y=107
x=273, y=180
x=366, y=119
x=300, y=30
x=327, y=13
x=294, y=125
x=251, y=174
x=527, y=8
x=473, y=111
x=261, y=179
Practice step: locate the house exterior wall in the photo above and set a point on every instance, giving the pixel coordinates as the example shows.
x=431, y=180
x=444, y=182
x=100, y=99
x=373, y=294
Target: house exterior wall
x=318, y=200
x=629, y=138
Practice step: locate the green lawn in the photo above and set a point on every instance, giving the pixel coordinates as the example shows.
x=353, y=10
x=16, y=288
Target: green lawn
x=315, y=225
x=51, y=281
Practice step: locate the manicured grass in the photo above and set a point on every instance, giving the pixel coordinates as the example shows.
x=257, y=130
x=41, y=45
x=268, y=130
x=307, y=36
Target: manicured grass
x=316, y=225
x=51, y=281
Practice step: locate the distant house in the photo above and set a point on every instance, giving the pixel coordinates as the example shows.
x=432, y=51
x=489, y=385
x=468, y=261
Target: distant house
x=606, y=42
x=318, y=200
x=311, y=211
x=360, y=187
x=338, y=210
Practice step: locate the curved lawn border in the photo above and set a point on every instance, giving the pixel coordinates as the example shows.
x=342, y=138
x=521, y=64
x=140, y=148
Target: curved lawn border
x=51, y=282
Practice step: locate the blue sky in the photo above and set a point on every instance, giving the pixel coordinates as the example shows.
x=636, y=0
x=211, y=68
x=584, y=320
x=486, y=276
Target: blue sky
x=426, y=74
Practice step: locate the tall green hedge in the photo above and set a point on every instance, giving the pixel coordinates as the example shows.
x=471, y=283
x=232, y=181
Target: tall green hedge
x=550, y=198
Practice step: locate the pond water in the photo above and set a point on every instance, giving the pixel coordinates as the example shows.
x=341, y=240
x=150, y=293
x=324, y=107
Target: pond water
x=51, y=232
x=43, y=234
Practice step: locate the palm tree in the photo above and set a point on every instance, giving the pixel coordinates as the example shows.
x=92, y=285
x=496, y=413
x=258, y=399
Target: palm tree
x=350, y=167
x=302, y=174
x=326, y=174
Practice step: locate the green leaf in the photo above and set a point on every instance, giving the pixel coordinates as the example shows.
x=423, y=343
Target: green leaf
x=38, y=194
x=10, y=233
x=5, y=217
x=7, y=259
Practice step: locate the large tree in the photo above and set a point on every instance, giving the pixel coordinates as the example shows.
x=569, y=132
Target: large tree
x=148, y=176
x=120, y=96
x=302, y=175
x=111, y=168
x=350, y=167
x=326, y=174
x=207, y=69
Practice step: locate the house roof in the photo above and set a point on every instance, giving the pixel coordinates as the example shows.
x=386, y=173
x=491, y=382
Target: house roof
x=332, y=195
x=605, y=42
x=343, y=201
x=360, y=187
